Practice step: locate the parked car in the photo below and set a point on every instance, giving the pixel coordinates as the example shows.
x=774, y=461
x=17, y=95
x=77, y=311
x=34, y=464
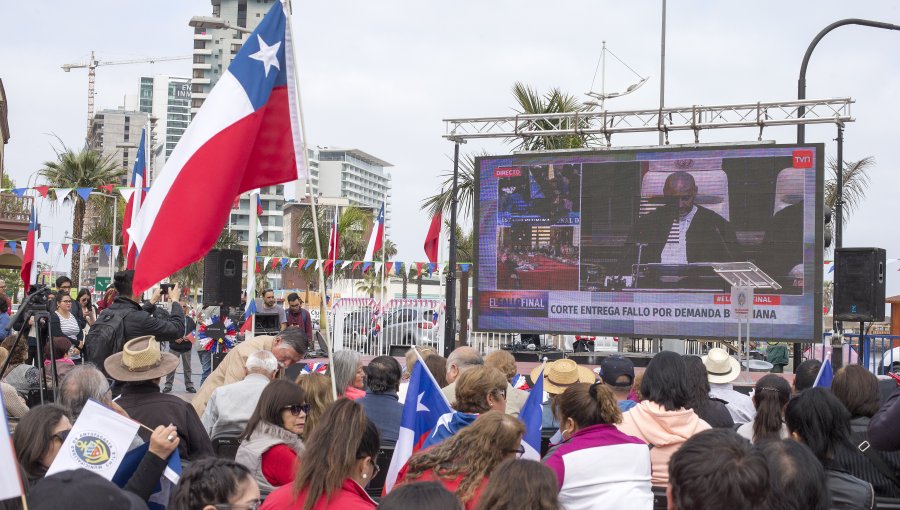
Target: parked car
x=407, y=326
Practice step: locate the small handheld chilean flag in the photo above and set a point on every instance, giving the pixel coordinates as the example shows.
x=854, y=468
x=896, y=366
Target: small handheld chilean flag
x=377, y=237
x=29, y=271
x=424, y=405
x=530, y=415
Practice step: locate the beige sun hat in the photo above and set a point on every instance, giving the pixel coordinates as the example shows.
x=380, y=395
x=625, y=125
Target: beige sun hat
x=721, y=368
x=140, y=360
x=561, y=374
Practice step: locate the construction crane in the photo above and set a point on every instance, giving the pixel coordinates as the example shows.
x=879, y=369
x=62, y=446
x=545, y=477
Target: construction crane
x=92, y=65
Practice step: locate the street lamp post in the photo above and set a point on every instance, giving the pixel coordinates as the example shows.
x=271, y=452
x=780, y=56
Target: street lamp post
x=839, y=178
x=211, y=22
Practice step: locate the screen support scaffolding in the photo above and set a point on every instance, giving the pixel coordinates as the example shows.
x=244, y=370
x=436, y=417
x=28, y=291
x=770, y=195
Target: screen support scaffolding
x=599, y=127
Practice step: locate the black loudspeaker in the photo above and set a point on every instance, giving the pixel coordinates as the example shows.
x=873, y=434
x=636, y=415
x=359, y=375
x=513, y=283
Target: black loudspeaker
x=859, y=284
x=222, y=278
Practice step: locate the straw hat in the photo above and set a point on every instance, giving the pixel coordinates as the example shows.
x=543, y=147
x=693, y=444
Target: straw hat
x=561, y=374
x=720, y=367
x=140, y=360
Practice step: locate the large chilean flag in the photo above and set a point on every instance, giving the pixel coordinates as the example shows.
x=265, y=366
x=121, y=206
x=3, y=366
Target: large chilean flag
x=29, y=269
x=245, y=136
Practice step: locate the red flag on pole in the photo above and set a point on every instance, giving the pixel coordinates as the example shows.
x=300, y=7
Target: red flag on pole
x=433, y=238
x=334, y=242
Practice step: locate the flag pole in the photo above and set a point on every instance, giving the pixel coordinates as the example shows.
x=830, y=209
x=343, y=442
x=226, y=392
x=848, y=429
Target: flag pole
x=251, y=260
x=298, y=106
x=337, y=215
x=383, y=270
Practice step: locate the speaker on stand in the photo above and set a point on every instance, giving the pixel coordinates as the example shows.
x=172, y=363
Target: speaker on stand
x=222, y=278
x=859, y=288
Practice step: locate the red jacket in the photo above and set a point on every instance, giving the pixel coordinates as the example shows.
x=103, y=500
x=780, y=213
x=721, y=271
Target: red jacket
x=349, y=497
x=450, y=485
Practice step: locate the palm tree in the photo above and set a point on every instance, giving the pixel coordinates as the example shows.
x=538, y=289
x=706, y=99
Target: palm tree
x=371, y=284
x=856, y=183
x=465, y=244
x=554, y=101
x=86, y=168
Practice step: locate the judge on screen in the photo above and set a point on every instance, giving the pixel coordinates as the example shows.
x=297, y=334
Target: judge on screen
x=682, y=232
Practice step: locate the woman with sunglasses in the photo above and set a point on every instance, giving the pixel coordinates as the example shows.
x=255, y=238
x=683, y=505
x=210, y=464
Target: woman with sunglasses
x=465, y=461
x=340, y=459
x=38, y=438
x=88, y=310
x=64, y=323
x=588, y=415
x=272, y=440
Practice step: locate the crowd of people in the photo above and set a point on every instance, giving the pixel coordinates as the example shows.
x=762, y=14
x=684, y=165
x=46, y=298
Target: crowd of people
x=678, y=432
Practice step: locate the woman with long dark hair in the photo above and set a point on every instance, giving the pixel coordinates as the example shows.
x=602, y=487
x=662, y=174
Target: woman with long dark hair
x=817, y=419
x=271, y=442
x=464, y=462
x=710, y=410
x=770, y=395
x=38, y=438
x=88, y=310
x=663, y=418
x=340, y=458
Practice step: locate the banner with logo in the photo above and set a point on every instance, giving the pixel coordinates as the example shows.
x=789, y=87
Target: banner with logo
x=97, y=442
x=10, y=484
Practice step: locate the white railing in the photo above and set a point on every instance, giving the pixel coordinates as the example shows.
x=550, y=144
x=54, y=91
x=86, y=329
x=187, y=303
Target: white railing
x=366, y=326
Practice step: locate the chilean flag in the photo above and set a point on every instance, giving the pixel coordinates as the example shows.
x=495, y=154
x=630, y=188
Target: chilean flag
x=250, y=311
x=530, y=415
x=334, y=243
x=245, y=136
x=433, y=238
x=377, y=237
x=133, y=207
x=424, y=406
x=29, y=271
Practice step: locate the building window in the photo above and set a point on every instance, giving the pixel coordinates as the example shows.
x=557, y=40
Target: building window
x=198, y=73
x=199, y=45
x=199, y=59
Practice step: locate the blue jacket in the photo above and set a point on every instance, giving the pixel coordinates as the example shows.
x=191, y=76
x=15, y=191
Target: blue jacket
x=385, y=411
x=4, y=325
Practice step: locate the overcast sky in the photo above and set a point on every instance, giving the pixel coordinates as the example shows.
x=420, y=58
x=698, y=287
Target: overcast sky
x=380, y=76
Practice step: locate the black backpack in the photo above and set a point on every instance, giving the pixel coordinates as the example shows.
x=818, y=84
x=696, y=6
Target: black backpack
x=106, y=336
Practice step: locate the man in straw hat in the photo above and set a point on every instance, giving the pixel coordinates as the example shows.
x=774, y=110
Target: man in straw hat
x=722, y=369
x=140, y=366
x=559, y=375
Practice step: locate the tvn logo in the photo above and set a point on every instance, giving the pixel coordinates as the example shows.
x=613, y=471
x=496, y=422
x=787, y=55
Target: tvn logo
x=803, y=159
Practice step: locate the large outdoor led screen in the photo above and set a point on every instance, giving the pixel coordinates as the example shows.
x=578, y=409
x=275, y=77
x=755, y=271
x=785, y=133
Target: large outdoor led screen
x=623, y=242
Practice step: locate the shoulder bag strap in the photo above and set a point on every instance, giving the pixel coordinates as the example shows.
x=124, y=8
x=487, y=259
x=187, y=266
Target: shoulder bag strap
x=862, y=444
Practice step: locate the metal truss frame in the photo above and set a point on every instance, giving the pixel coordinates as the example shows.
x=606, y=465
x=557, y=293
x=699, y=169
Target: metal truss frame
x=600, y=126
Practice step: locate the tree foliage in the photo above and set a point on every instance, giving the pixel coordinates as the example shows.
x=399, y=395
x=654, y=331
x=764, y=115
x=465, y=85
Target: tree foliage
x=554, y=101
x=86, y=168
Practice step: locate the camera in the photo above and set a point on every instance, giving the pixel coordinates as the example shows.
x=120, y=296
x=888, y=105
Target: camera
x=164, y=288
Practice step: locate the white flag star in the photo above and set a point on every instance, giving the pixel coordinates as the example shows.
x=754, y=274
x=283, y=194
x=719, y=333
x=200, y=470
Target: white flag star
x=419, y=405
x=268, y=55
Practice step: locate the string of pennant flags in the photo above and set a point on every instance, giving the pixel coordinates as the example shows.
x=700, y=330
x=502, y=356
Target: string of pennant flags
x=48, y=246
x=390, y=267
x=61, y=194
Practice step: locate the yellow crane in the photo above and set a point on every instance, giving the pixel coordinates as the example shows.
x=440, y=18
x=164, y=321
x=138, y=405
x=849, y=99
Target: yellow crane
x=92, y=65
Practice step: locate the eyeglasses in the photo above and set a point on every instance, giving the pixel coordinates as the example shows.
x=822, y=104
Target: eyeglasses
x=518, y=451
x=254, y=505
x=502, y=393
x=62, y=435
x=376, y=467
x=296, y=409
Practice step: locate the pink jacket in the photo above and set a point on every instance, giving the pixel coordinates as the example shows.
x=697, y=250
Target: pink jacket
x=664, y=431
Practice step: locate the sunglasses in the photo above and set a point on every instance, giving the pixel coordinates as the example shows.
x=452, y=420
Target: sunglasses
x=296, y=409
x=62, y=435
x=518, y=451
x=246, y=506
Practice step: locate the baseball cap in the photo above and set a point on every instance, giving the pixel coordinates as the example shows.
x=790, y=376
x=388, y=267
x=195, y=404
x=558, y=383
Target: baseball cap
x=81, y=488
x=613, y=367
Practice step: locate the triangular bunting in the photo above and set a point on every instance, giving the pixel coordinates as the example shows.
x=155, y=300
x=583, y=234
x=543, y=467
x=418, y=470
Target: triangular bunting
x=20, y=192
x=126, y=193
x=108, y=188
x=108, y=249
x=65, y=249
x=75, y=247
x=95, y=248
x=377, y=266
x=355, y=265
x=300, y=263
x=309, y=263
x=266, y=261
x=12, y=245
x=346, y=264
x=84, y=193
x=43, y=190
x=387, y=267
x=419, y=267
x=465, y=267
x=318, y=264
x=62, y=194
x=366, y=266
x=46, y=247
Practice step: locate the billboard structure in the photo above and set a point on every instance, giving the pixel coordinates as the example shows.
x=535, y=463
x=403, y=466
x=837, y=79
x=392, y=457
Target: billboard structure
x=622, y=242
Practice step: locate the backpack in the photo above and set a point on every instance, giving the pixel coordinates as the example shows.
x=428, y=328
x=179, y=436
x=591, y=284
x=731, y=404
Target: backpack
x=106, y=336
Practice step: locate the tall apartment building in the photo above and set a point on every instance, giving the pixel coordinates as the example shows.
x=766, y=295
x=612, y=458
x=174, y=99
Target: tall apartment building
x=355, y=175
x=118, y=132
x=215, y=47
x=271, y=238
x=168, y=100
